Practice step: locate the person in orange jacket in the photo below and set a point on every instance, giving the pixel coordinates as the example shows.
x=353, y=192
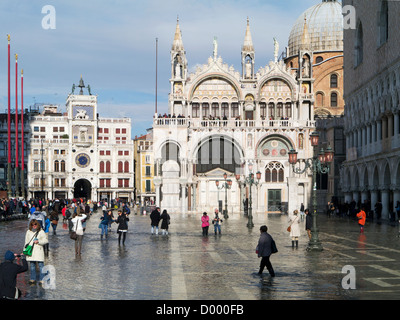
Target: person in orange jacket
x=361, y=219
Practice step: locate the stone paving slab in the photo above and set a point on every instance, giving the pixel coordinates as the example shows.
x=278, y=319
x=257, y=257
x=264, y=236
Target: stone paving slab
x=187, y=266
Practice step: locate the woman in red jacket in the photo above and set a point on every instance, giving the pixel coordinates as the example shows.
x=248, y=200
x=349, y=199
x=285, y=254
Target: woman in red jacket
x=361, y=219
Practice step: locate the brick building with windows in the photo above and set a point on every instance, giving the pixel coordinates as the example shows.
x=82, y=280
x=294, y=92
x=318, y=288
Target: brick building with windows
x=144, y=170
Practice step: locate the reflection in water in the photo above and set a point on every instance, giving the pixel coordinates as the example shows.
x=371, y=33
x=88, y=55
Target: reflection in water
x=212, y=266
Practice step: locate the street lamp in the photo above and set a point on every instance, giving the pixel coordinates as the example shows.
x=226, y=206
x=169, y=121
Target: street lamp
x=317, y=164
x=250, y=181
x=227, y=185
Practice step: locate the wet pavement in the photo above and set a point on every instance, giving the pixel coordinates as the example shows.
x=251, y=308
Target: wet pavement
x=187, y=266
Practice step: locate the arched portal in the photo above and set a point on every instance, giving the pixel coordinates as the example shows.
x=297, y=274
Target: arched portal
x=218, y=151
x=82, y=189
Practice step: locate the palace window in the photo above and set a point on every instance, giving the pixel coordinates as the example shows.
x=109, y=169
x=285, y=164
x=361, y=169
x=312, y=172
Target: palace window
x=225, y=109
x=235, y=109
x=263, y=110
x=359, y=45
x=383, y=23
x=334, y=81
x=148, y=171
x=274, y=172
x=215, y=109
x=195, y=110
x=271, y=110
x=288, y=109
x=56, y=166
x=334, y=99
x=206, y=110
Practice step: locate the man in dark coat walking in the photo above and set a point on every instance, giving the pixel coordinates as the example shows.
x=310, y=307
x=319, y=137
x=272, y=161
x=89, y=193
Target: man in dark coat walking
x=309, y=223
x=155, y=220
x=8, y=276
x=264, y=250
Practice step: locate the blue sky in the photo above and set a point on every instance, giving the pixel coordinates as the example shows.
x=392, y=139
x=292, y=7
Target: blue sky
x=112, y=44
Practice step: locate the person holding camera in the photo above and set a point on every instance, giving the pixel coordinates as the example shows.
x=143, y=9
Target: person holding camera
x=217, y=222
x=8, y=275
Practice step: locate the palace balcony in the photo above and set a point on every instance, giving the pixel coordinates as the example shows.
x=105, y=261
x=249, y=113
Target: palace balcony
x=231, y=123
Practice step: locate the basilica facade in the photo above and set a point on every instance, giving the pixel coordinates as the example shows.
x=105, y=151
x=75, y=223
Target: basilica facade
x=225, y=124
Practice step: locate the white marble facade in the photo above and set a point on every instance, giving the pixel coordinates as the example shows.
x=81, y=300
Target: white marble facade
x=221, y=120
x=84, y=156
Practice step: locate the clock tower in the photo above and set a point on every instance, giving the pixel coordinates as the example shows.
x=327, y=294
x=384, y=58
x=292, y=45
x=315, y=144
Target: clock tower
x=82, y=119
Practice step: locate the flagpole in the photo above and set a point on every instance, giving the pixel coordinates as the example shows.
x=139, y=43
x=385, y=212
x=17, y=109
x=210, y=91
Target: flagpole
x=156, y=70
x=16, y=130
x=22, y=137
x=9, y=178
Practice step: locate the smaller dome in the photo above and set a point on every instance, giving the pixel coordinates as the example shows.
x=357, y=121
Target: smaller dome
x=324, y=28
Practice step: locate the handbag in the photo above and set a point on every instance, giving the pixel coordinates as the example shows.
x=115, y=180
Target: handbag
x=290, y=227
x=28, y=249
x=73, y=234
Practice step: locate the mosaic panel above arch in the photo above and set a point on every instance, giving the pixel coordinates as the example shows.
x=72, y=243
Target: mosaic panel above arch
x=276, y=88
x=215, y=88
x=274, y=147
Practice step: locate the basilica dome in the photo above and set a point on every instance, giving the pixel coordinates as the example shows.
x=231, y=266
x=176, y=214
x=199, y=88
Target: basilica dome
x=319, y=28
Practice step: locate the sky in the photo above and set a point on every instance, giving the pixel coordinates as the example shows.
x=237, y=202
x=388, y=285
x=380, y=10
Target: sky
x=112, y=44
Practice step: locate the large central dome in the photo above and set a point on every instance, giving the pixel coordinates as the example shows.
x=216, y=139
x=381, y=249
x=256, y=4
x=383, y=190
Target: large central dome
x=319, y=27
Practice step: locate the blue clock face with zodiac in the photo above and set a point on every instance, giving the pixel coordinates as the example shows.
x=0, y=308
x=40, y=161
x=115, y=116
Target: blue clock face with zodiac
x=82, y=160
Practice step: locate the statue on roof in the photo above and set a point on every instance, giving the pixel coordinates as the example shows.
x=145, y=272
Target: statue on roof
x=276, y=49
x=215, y=48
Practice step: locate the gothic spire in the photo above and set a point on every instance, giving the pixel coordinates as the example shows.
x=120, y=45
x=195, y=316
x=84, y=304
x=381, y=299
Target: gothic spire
x=177, y=45
x=305, y=40
x=248, y=42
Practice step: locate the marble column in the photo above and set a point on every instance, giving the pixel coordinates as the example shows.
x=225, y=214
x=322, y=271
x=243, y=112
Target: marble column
x=374, y=200
x=396, y=197
x=385, y=204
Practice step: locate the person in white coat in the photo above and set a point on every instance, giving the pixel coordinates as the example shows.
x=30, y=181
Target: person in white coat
x=35, y=236
x=294, y=221
x=77, y=221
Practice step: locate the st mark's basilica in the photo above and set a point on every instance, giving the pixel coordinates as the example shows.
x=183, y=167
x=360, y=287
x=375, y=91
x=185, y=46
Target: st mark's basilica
x=225, y=124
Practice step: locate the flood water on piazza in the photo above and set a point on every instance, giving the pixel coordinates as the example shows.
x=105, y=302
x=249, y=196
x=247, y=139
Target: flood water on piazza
x=184, y=265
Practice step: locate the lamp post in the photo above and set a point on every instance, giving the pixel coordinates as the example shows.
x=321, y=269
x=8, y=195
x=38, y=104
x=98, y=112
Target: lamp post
x=250, y=181
x=227, y=185
x=319, y=163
